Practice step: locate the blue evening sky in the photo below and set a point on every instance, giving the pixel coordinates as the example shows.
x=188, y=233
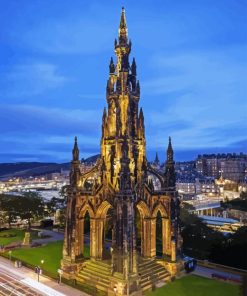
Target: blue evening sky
x=191, y=62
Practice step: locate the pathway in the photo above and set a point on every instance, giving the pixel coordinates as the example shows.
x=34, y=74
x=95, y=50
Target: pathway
x=25, y=278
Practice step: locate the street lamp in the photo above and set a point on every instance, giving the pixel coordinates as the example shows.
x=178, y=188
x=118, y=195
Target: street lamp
x=10, y=253
x=115, y=290
x=60, y=272
x=37, y=270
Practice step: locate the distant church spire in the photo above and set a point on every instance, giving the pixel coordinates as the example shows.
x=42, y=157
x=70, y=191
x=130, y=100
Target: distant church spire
x=156, y=161
x=170, y=175
x=75, y=151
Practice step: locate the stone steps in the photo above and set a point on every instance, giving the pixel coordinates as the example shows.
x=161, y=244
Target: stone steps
x=95, y=274
x=98, y=273
x=151, y=273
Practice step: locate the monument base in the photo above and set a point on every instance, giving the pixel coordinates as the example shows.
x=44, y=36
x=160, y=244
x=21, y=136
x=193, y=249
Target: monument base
x=100, y=276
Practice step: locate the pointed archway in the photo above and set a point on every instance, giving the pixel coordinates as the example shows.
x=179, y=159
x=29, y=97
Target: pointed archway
x=103, y=228
x=161, y=238
x=84, y=235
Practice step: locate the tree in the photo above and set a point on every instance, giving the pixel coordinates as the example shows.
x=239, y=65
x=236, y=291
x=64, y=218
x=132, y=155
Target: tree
x=198, y=238
x=232, y=251
x=25, y=206
x=54, y=204
x=64, y=193
x=8, y=207
x=31, y=205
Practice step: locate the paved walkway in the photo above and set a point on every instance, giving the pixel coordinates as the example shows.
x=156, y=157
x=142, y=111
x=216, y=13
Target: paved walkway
x=207, y=272
x=54, y=236
x=45, y=286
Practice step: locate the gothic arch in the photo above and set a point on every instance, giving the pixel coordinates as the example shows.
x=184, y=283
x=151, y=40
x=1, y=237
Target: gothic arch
x=159, y=208
x=143, y=209
x=103, y=209
x=86, y=207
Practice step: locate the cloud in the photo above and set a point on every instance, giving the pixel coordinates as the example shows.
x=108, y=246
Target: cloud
x=47, y=133
x=206, y=94
x=25, y=119
x=191, y=60
x=29, y=147
x=242, y=145
x=31, y=79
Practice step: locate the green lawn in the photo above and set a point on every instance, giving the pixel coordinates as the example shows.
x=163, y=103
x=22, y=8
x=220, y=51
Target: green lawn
x=15, y=235
x=195, y=285
x=50, y=253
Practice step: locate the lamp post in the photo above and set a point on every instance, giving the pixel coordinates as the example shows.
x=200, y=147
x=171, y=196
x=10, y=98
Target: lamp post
x=40, y=268
x=60, y=272
x=10, y=253
x=115, y=290
x=37, y=270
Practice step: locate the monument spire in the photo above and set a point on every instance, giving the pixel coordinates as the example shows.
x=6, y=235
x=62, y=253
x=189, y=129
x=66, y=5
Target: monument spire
x=123, y=31
x=122, y=185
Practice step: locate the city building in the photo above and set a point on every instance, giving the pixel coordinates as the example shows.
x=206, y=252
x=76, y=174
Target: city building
x=121, y=187
x=229, y=166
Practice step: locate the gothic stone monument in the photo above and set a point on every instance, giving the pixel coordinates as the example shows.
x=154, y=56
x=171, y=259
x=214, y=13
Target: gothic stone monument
x=123, y=184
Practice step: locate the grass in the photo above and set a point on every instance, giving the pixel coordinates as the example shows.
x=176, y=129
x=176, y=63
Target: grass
x=15, y=235
x=50, y=253
x=199, y=286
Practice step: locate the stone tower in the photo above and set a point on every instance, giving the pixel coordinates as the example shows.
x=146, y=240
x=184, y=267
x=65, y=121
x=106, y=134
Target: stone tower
x=122, y=183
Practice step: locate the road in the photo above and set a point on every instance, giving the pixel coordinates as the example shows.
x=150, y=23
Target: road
x=23, y=281
x=11, y=285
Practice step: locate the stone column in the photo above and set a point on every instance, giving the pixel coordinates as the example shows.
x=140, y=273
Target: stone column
x=142, y=236
x=77, y=238
x=146, y=237
x=99, y=239
x=164, y=231
x=81, y=236
x=167, y=240
x=93, y=238
x=174, y=253
x=153, y=237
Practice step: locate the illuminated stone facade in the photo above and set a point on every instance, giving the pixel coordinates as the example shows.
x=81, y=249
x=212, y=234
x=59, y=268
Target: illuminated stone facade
x=122, y=182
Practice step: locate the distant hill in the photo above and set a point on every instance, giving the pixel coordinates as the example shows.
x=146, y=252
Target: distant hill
x=91, y=159
x=26, y=169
